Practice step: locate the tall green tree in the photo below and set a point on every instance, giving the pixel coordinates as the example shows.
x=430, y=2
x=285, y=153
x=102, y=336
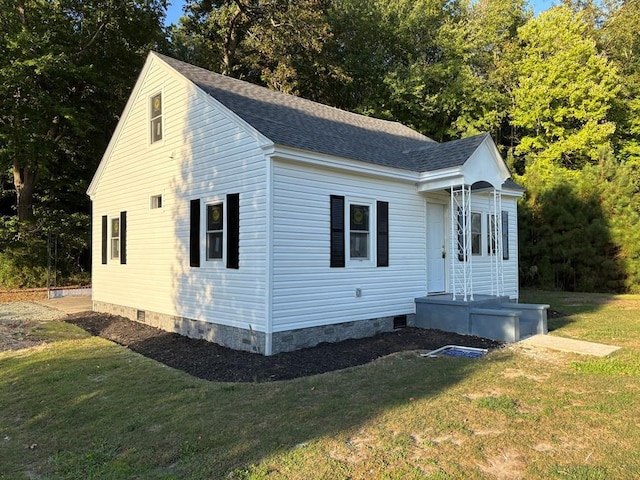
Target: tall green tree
x=620, y=39
x=564, y=90
x=66, y=69
x=491, y=37
x=272, y=42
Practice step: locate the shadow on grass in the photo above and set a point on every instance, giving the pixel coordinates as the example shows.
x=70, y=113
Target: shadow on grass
x=159, y=423
x=565, y=306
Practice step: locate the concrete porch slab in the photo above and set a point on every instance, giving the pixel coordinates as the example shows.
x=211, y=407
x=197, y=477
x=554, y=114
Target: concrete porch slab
x=569, y=345
x=68, y=305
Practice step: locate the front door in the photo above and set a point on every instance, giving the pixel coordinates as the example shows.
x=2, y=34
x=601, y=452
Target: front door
x=435, y=248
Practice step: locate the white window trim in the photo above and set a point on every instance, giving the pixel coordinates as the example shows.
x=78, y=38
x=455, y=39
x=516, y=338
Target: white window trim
x=151, y=202
x=150, y=118
x=214, y=262
x=113, y=257
x=371, y=260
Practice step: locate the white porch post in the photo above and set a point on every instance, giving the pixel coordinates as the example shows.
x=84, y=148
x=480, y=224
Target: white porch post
x=461, y=265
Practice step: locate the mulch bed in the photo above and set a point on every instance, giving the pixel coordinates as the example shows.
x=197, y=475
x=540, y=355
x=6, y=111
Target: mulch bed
x=212, y=362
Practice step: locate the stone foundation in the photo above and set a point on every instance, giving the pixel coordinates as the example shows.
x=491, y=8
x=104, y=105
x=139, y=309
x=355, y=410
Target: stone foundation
x=232, y=337
x=254, y=341
x=297, y=339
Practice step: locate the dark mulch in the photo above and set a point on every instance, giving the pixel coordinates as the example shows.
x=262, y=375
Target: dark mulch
x=210, y=361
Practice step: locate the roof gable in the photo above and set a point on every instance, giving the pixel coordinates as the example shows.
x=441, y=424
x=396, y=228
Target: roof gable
x=296, y=122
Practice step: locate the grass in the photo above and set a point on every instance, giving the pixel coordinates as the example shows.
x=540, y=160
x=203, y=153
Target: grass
x=83, y=407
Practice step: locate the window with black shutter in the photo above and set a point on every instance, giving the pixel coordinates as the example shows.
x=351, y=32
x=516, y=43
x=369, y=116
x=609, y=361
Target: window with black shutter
x=505, y=235
x=361, y=223
x=105, y=242
x=123, y=238
x=194, y=233
x=233, y=230
x=337, y=231
x=382, y=234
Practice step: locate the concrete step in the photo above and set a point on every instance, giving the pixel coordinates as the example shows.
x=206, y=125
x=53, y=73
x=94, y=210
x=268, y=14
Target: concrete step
x=569, y=345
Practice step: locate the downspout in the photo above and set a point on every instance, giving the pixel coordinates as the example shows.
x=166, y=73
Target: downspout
x=268, y=307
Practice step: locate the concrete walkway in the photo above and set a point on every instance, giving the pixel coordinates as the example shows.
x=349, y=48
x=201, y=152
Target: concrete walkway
x=68, y=305
x=569, y=345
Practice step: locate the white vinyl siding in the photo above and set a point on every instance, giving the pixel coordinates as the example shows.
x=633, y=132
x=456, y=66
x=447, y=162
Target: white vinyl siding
x=204, y=154
x=306, y=290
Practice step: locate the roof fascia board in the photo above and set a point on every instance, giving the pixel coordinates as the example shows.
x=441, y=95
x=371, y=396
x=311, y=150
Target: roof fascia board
x=512, y=192
x=488, y=141
x=120, y=126
x=439, y=179
x=308, y=157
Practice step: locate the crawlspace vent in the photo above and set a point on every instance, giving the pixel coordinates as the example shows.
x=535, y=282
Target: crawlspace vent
x=400, y=321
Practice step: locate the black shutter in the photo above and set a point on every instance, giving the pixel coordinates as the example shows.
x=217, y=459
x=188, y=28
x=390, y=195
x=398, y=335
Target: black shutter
x=337, y=231
x=194, y=233
x=233, y=230
x=382, y=234
x=460, y=235
x=123, y=237
x=505, y=235
x=105, y=224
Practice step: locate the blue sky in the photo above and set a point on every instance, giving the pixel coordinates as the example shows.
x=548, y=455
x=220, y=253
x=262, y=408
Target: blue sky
x=174, y=11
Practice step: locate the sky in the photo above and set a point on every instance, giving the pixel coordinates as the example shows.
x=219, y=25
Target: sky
x=174, y=10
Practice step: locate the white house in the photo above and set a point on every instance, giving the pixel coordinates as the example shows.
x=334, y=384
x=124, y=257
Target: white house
x=265, y=222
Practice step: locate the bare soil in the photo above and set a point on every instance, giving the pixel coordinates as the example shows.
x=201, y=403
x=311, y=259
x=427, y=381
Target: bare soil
x=210, y=361
x=23, y=295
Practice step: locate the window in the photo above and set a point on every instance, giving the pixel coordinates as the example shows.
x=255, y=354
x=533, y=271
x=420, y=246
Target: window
x=156, y=202
x=221, y=231
x=156, y=118
x=362, y=229
x=115, y=238
x=215, y=230
x=476, y=233
x=359, y=231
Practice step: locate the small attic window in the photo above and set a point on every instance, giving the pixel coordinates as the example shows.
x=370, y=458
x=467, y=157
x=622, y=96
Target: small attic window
x=156, y=202
x=156, y=118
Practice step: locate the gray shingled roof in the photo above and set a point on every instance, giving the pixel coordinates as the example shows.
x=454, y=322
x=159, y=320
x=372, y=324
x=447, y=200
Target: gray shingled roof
x=444, y=155
x=295, y=122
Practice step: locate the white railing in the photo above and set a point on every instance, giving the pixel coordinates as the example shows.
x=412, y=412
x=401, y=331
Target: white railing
x=461, y=265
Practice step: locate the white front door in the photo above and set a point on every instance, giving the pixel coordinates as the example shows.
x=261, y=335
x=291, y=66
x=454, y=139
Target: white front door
x=435, y=248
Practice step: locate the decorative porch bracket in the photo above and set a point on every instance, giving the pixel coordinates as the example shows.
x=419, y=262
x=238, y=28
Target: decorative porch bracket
x=495, y=232
x=461, y=268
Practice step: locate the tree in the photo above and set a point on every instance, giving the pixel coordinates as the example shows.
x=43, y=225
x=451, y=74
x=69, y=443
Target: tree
x=564, y=91
x=270, y=42
x=66, y=69
x=491, y=32
x=620, y=40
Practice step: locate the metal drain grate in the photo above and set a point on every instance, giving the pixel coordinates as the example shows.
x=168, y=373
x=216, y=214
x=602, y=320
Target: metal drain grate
x=457, y=351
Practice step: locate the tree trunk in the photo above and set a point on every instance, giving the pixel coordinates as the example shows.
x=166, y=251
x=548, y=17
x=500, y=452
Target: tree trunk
x=24, y=180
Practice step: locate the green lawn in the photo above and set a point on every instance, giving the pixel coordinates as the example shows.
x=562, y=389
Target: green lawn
x=83, y=407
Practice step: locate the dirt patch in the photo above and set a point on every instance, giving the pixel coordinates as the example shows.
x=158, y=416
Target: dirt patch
x=210, y=361
x=15, y=335
x=24, y=295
